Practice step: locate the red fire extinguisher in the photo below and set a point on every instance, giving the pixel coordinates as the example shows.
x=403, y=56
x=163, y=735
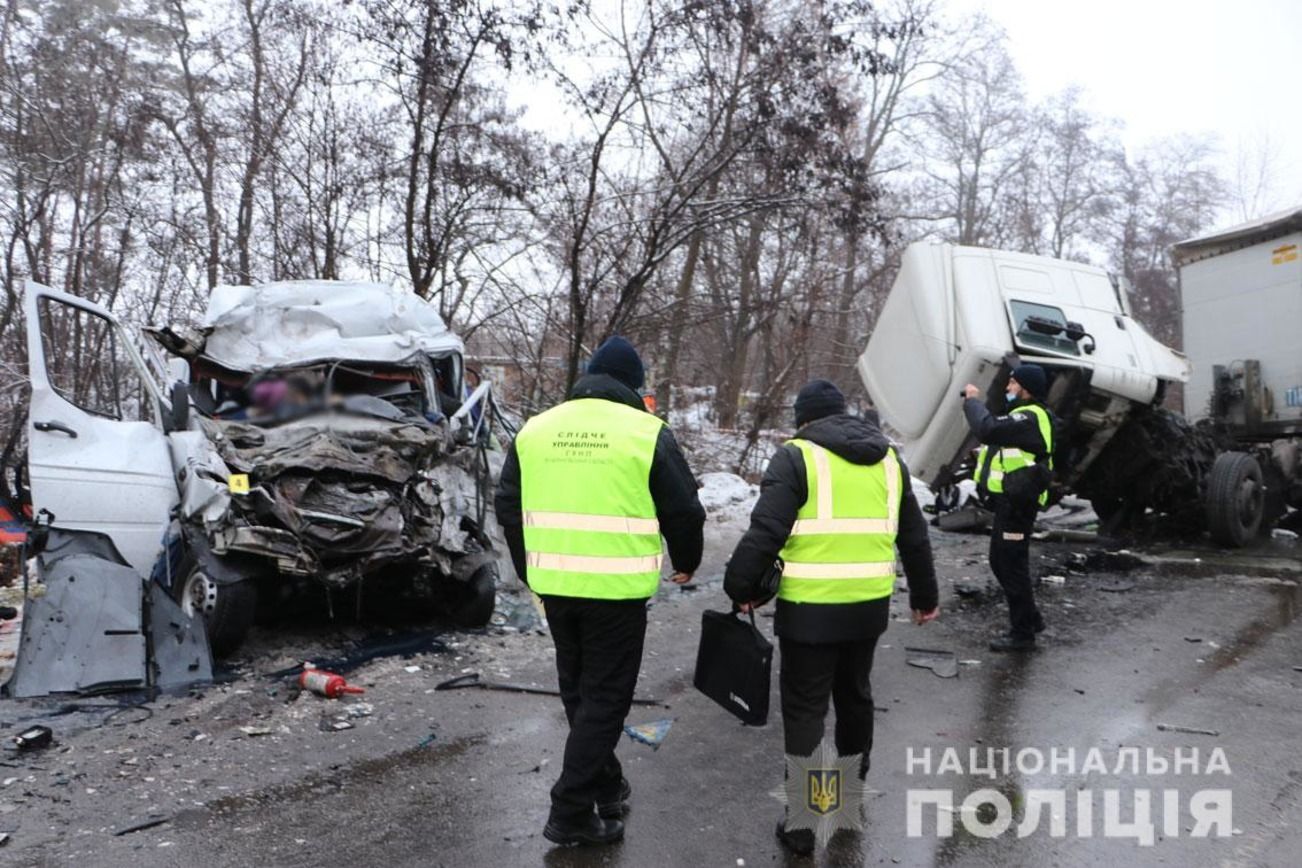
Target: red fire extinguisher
x=326, y=684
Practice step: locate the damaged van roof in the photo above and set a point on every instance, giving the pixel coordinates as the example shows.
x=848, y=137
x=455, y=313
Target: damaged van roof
x=297, y=322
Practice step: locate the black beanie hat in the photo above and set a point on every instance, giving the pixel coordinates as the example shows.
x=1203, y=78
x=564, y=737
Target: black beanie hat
x=617, y=358
x=1033, y=379
x=818, y=398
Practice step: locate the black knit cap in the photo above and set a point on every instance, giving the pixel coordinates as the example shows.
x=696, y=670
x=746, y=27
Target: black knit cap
x=617, y=358
x=1033, y=379
x=818, y=398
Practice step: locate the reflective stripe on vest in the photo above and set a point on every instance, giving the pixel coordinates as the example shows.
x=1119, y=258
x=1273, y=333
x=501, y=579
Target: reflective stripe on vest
x=590, y=527
x=842, y=545
x=994, y=465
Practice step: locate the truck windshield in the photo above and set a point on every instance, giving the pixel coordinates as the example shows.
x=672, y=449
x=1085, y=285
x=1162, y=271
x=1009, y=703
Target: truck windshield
x=1059, y=343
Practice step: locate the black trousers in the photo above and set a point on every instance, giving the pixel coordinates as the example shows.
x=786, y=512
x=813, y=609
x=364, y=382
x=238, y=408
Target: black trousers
x=1010, y=561
x=811, y=673
x=598, y=655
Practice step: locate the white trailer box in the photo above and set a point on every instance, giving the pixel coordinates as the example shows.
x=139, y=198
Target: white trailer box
x=1241, y=292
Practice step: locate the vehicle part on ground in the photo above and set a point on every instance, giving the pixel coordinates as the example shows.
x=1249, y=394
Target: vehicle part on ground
x=227, y=610
x=99, y=627
x=1235, y=499
x=473, y=679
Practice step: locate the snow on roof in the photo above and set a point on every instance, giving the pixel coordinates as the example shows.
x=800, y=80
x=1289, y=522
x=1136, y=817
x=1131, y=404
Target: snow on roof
x=1263, y=229
x=296, y=322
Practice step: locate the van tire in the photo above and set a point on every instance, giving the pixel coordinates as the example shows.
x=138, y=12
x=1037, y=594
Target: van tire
x=228, y=610
x=1235, y=499
x=475, y=599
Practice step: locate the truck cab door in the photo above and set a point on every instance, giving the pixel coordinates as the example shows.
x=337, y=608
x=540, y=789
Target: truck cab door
x=98, y=459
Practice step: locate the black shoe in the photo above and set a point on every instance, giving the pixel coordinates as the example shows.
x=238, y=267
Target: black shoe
x=594, y=832
x=619, y=808
x=798, y=841
x=1012, y=643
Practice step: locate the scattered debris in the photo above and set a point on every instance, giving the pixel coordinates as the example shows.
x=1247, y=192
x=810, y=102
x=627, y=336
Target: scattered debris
x=150, y=823
x=1194, y=639
x=1118, y=587
x=253, y=731
x=427, y=740
x=542, y=764
x=1190, y=730
x=473, y=679
x=412, y=668
x=34, y=738
x=969, y=663
x=651, y=733
x=1053, y=580
x=335, y=725
x=359, y=709
x=942, y=663
x=405, y=645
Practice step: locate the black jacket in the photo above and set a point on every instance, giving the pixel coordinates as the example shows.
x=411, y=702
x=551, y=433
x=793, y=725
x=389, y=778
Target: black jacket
x=782, y=493
x=1017, y=431
x=673, y=488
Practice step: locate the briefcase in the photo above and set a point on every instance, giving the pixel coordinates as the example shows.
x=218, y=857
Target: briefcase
x=734, y=665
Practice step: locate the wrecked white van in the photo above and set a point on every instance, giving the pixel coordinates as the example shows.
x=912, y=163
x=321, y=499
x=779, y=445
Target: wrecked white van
x=307, y=431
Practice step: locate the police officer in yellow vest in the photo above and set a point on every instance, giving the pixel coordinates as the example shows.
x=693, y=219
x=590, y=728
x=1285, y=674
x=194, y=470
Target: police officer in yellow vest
x=1014, y=468
x=587, y=491
x=835, y=504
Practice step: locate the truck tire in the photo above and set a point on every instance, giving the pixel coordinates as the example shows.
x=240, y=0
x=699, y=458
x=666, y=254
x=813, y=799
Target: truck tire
x=1235, y=499
x=228, y=610
x=475, y=598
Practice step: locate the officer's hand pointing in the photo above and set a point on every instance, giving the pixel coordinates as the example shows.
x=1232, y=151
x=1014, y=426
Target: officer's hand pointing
x=680, y=578
x=971, y=391
x=920, y=617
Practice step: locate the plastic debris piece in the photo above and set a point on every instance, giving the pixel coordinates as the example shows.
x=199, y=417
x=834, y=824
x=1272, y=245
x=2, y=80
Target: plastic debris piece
x=359, y=709
x=942, y=663
x=1054, y=580
x=252, y=731
x=1190, y=730
x=34, y=738
x=652, y=733
x=411, y=668
x=1194, y=639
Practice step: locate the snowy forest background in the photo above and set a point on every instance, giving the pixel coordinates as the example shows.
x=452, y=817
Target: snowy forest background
x=728, y=183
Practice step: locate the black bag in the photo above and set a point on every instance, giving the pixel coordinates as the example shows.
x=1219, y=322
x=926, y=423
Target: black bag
x=734, y=665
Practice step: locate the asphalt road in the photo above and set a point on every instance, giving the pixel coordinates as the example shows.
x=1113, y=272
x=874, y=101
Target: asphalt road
x=461, y=778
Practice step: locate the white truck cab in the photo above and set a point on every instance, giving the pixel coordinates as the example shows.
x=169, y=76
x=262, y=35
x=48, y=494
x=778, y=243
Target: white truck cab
x=959, y=315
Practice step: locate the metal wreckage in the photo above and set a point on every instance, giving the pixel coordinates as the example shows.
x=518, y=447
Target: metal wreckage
x=307, y=432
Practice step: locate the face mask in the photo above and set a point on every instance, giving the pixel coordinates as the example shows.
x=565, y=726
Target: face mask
x=1010, y=397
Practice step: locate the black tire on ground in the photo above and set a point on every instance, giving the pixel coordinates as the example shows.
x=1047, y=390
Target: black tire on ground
x=475, y=599
x=1235, y=499
x=228, y=610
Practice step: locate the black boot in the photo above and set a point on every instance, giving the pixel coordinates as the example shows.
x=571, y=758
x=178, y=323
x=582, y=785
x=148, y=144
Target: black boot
x=798, y=841
x=619, y=808
x=593, y=831
x=1013, y=643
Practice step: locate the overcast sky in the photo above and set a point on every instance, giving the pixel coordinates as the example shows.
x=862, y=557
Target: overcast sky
x=1229, y=67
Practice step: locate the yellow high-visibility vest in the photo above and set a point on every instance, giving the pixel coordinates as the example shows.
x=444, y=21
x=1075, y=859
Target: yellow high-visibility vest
x=994, y=465
x=590, y=527
x=842, y=546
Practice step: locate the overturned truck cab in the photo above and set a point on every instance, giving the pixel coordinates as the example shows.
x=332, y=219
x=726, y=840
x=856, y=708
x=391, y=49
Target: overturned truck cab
x=307, y=432
x=970, y=315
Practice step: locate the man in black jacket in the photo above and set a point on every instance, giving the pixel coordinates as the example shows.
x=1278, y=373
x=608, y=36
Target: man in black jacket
x=1013, y=473
x=596, y=611
x=827, y=648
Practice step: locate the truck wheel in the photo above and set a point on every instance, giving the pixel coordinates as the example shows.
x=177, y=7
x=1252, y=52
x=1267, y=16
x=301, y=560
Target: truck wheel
x=475, y=598
x=227, y=610
x=1235, y=499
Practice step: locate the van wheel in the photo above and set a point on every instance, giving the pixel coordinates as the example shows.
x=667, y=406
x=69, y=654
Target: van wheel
x=227, y=610
x=473, y=601
x=1236, y=499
